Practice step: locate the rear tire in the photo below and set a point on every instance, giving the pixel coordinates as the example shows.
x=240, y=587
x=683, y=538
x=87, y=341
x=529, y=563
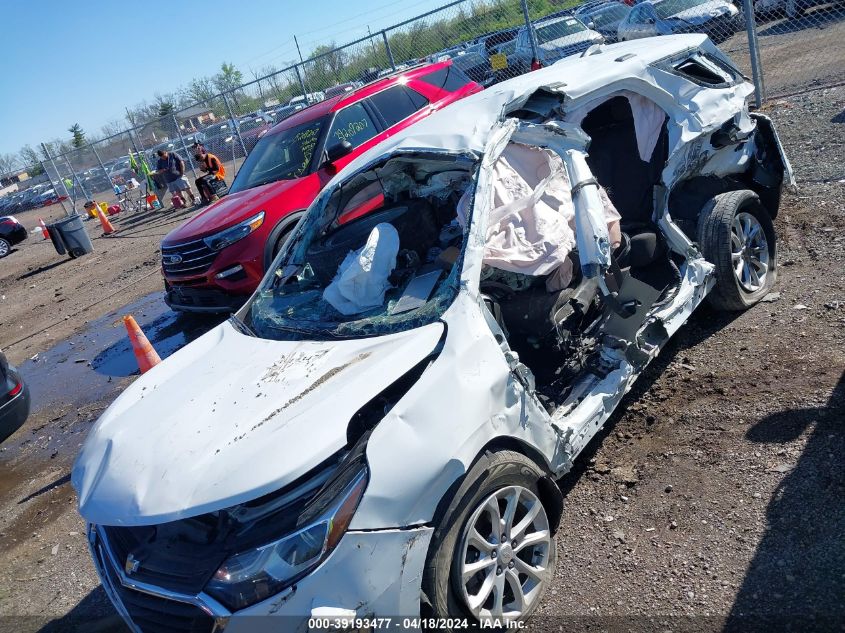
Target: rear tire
x=5, y=247
x=737, y=236
x=518, y=562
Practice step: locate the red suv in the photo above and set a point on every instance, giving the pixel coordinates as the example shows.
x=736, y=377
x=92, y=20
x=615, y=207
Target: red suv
x=214, y=261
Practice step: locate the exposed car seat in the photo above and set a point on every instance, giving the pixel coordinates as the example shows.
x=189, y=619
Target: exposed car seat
x=615, y=162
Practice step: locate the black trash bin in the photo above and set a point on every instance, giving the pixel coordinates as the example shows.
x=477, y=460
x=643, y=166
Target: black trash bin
x=73, y=235
x=56, y=238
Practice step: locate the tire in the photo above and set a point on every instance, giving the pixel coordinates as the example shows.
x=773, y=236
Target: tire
x=282, y=239
x=504, y=473
x=278, y=238
x=5, y=247
x=737, y=236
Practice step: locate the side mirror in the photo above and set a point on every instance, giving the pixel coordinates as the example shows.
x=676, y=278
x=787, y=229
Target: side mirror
x=591, y=25
x=338, y=151
x=649, y=20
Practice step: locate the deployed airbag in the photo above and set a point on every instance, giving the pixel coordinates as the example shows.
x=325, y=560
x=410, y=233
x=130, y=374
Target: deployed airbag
x=361, y=279
x=531, y=228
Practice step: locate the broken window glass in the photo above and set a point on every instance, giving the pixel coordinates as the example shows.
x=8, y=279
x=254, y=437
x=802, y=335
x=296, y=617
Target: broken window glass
x=405, y=206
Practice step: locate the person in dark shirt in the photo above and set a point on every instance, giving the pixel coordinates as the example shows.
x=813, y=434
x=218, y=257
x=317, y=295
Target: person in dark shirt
x=172, y=167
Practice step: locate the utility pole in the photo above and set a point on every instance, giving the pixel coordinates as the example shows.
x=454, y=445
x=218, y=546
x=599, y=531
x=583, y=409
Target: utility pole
x=302, y=62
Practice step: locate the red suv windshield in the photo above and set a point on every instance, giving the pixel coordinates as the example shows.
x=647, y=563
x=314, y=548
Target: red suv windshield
x=285, y=155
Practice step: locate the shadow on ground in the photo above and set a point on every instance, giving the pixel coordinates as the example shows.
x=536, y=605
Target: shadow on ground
x=796, y=581
x=94, y=614
x=43, y=269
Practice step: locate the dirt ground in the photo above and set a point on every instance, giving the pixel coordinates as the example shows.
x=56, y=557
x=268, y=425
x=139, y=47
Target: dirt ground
x=45, y=296
x=796, y=55
x=712, y=501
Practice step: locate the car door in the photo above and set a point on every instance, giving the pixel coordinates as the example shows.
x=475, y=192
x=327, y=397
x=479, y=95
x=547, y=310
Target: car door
x=357, y=124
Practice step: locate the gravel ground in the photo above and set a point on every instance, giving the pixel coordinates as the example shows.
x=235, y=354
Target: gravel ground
x=713, y=501
x=795, y=55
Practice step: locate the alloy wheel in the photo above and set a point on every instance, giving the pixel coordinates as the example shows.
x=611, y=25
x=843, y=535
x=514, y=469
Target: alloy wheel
x=749, y=252
x=4, y=248
x=505, y=550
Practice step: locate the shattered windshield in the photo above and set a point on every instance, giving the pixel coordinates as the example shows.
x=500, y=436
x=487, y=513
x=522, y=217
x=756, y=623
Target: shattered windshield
x=284, y=155
x=378, y=254
x=559, y=29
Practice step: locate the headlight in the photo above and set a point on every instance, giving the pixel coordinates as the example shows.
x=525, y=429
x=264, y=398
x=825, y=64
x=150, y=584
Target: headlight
x=257, y=574
x=225, y=238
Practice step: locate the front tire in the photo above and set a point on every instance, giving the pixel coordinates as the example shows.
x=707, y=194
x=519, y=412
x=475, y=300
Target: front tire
x=5, y=247
x=493, y=555
x=736, y=234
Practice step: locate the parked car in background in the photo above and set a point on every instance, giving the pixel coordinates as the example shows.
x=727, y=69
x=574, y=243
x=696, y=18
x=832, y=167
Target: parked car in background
x=253, y=128
x=307, y=99
x=341, y=89
x=556, y=38
x=604, y=18
x=474, y=64
x=280, y=113
x=504, y=62
x=14, y=398
x=95, y=180
x=489, y=41
x=121, y=172
x=718, y=19
x=389, y=443
x=11, y=232
x=51, y=197
x=215, y=260
x=220, y=139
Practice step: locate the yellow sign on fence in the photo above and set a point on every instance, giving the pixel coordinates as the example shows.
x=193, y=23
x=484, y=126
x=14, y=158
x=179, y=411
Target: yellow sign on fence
x=499, y=61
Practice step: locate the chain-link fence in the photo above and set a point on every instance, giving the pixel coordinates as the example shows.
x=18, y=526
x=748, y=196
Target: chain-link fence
x=786, y=45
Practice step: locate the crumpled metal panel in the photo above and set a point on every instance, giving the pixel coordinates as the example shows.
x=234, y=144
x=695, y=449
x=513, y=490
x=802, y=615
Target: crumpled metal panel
x=230, y=418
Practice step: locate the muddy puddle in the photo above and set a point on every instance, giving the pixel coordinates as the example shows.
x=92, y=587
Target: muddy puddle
x=76, y=379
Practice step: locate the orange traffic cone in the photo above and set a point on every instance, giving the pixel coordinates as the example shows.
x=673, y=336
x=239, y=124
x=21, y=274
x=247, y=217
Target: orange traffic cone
x=44, y=230
x=108, y=229
x=144, y=352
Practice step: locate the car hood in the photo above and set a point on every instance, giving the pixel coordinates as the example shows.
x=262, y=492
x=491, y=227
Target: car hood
x=701, y=13
x=569, y=41
x=229, y=210
x=230, y=418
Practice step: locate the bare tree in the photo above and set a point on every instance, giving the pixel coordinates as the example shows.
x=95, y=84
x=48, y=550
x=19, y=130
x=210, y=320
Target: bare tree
x=8, y=163
x=112, y=128
x=29, y=157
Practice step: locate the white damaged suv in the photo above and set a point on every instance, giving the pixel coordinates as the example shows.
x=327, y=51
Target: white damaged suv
x=379, y=431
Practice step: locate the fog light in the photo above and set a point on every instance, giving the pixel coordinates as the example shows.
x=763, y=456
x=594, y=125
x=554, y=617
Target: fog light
x=235, y=271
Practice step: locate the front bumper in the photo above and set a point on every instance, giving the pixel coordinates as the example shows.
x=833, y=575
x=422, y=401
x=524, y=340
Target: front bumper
x=202, y=299
x=373, y=574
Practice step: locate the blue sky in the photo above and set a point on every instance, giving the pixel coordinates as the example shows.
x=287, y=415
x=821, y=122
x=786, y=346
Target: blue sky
x=68, y=62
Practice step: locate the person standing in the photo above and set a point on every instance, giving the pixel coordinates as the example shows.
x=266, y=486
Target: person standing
x=172, y=167
x=209, y=184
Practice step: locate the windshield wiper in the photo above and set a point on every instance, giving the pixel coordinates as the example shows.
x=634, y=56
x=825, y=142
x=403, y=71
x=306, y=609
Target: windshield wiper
x=241, y=327
x=306, y=331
